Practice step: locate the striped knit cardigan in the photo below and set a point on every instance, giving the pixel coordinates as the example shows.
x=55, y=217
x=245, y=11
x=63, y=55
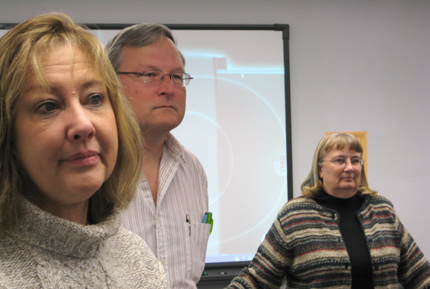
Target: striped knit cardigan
x=305, y=246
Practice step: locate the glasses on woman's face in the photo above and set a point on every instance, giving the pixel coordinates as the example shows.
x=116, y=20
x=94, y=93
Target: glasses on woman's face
x=341, y=161
x=155, y=77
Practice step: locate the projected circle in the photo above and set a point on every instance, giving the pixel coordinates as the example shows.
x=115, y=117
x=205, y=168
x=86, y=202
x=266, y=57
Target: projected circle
x=258, y=146
x=240, y=140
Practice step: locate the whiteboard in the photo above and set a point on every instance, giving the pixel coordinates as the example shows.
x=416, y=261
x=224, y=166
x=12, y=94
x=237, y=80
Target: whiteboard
x=236, y=122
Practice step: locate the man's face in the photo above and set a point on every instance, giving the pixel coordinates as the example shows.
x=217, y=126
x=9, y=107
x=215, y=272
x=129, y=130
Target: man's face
x=158, y=107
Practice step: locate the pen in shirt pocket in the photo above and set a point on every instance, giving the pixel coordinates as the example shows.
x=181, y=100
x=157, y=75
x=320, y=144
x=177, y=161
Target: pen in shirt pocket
x=207, y=219
x=188, y=220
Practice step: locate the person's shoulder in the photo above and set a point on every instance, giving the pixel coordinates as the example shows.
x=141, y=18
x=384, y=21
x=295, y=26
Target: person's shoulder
x=299, y=204
x=379, y=200
x=129, y=253
x=14, y=263
x=8, y=246
x=127, y=237
x=132, y=245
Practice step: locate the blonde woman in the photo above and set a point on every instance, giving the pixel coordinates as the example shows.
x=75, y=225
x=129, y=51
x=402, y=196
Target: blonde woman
x=70, y=160
x=339, y=234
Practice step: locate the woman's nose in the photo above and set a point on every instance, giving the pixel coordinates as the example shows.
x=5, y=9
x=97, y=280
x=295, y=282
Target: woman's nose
x=80, y=126
x=348, y=165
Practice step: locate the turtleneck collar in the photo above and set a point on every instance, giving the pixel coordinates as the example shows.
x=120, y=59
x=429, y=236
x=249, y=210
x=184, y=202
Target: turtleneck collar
x=339, y=203
x=42, y=229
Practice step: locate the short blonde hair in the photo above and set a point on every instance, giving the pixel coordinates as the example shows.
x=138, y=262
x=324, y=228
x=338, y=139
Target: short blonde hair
x=312, y=185
x=21, y=51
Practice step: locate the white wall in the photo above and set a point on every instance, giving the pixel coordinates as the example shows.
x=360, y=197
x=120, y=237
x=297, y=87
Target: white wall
x=355, y=66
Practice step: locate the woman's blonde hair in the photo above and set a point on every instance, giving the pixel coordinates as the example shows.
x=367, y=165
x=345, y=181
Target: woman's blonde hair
x=312, y=185
x=21, y=52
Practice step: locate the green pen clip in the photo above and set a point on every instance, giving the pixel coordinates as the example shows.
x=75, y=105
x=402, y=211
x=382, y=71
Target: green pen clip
x=207, y=219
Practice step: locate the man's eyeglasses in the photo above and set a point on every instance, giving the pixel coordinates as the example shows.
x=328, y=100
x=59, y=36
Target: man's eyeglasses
x=341, y=161
x=155, y=77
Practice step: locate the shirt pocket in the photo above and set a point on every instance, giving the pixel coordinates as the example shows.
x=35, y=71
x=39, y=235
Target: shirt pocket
x=196, y=248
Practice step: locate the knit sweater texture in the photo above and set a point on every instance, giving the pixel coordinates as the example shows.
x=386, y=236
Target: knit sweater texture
x=305, y=245
x=44, y=251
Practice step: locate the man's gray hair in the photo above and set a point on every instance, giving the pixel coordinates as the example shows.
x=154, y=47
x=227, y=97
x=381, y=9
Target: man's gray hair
x=138, y=35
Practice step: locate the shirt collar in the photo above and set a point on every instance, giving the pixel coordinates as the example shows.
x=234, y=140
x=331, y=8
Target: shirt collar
x=173, y=147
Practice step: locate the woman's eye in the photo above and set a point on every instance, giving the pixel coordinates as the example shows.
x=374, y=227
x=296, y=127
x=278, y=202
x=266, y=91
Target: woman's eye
x=47, y=107
x=96, y=99
x=339, y=160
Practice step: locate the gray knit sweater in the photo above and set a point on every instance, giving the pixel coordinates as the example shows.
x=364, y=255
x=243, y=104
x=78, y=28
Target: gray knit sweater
x=45, y=251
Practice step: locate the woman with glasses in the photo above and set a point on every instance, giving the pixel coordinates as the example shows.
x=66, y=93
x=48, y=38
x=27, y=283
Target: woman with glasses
x=339, y=234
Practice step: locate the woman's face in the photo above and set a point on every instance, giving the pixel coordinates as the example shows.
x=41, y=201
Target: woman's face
x=66, y=137
x=341, y=180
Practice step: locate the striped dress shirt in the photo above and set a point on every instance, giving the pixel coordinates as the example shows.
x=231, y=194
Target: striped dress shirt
x=179, y=244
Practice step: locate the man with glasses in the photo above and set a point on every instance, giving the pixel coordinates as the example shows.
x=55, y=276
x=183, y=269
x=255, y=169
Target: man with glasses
x=172, y=199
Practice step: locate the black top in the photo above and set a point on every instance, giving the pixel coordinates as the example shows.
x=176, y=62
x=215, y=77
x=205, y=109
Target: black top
x=353, y=235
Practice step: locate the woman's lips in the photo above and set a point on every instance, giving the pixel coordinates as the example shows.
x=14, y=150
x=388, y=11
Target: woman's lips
x=83, y=158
